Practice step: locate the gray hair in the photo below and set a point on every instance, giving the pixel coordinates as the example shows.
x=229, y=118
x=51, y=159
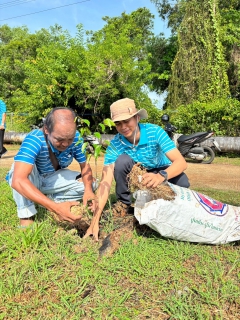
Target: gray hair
x=50, y=118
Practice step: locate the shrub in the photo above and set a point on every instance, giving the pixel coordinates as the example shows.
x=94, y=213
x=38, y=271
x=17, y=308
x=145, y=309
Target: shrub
x=221, y=116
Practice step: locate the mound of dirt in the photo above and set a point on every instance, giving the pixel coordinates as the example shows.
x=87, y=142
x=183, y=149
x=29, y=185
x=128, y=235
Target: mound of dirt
x=124, y=227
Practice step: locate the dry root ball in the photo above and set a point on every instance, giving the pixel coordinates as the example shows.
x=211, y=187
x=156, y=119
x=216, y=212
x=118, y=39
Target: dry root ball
x=162, y=191
x=81, y=225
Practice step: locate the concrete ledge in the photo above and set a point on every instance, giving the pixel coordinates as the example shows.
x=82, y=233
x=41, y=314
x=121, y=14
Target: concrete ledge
x=227, y=144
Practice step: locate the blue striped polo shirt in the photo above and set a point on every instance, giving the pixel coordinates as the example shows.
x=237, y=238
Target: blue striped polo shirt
x=3, y=109
x=150, y=152
x=34, y=150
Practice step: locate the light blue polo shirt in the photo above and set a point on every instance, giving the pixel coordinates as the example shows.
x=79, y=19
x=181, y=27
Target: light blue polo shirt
x=3, y=109
x=34, y=150
x=150, y=152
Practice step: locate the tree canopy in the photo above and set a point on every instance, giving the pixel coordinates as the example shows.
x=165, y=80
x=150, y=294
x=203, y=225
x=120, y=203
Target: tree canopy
x=198, y=63
x=228, y=29
x=199, y=68
x=86, y=72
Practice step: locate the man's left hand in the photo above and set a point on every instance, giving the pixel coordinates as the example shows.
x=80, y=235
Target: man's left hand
x=152, y=180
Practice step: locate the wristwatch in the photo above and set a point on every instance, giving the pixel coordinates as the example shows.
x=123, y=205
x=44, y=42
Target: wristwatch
x=164, y=174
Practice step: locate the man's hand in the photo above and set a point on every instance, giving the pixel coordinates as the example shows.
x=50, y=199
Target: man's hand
x=89, y=199
x=101, y=199
x=92, y=231
x=152, y=180
x=63, y=211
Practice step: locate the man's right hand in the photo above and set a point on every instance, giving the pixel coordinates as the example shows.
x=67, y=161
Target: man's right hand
x=63, y=211
x=92, y=231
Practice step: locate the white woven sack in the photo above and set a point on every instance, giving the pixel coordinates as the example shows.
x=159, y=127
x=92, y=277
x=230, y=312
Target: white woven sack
x=191, y=216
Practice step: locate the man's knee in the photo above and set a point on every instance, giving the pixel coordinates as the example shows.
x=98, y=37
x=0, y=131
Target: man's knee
x=123, y=163
x=180, y=180
x=124, y=159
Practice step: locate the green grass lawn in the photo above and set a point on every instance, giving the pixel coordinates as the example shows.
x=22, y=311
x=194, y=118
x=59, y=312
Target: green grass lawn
x=51, y=273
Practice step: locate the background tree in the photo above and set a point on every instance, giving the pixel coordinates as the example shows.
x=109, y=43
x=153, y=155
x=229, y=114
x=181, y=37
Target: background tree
x=199, y=68
x=162, y=53
x=171, y=10
x=229, y=31
x=230, y=37
x=122, y=57
x=17, y=46
x=89, y=75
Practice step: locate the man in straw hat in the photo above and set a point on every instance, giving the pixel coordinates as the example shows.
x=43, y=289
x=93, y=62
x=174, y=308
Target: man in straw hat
x=135, y=142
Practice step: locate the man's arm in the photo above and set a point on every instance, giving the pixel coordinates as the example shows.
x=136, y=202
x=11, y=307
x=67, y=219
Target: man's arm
x=102, y=197
x=27, y=189
x=87, y=179
x=177, y=167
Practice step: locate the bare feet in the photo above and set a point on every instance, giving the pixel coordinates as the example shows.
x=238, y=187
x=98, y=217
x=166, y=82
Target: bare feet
x=25, y=222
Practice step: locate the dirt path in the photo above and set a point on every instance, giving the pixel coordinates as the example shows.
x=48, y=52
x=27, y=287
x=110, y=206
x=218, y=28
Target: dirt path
x=217, y=176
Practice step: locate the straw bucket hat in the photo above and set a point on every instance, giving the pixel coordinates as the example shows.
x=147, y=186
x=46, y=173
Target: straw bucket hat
x=124, y=109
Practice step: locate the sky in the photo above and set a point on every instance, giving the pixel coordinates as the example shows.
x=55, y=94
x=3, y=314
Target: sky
x=37, y=14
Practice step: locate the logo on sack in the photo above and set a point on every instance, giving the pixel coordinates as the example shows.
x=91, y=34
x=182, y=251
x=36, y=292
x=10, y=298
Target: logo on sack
x=212, y=206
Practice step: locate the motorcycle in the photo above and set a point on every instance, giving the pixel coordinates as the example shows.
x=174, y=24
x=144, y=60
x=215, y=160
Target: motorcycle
x=192, y=146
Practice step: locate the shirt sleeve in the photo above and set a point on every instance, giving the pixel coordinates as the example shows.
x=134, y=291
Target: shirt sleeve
x=165, y=143
x=3, y=106
x=29, y=150
x=111, y=154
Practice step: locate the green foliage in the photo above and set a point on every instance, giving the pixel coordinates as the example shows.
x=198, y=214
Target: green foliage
x=230, y=37
x=162, y=53
x=17, y=46
x=89, y=149
x=172, y=11
x=18, y=122
x=221, y=116
x=228, y=28
x=199, y=68
x=154, y=115
x=52, y=273
x=88, y=76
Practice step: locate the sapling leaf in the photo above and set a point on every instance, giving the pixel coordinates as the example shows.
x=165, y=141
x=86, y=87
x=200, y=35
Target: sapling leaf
x=97, y=135
x=89, y=155
x=97, y=150
x=87, y=132
x=82, y=131
x=80, y=140
x=108, y=122
x=84, y=146
x=86, y=121
x=106, y=143
x=102, y=127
